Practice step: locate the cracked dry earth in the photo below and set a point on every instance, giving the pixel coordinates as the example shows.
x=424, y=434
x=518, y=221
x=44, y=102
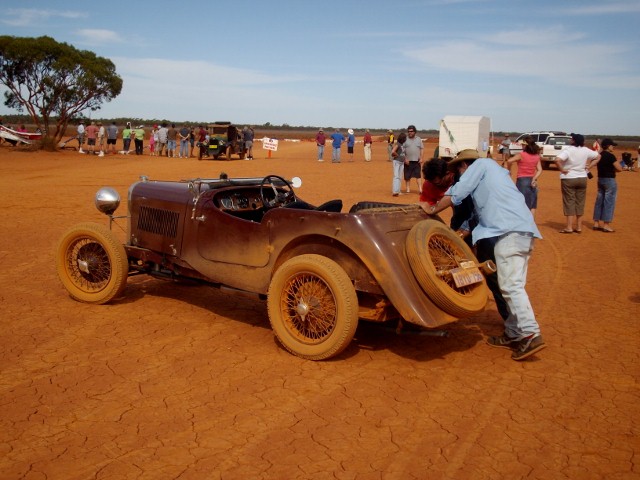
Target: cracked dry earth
x=174, y=381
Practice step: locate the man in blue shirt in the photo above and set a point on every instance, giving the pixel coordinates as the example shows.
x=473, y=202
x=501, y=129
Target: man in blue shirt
x=337, y=138
x=502, y=215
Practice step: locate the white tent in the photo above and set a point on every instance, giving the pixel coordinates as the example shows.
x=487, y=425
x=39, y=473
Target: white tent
x=459, y=132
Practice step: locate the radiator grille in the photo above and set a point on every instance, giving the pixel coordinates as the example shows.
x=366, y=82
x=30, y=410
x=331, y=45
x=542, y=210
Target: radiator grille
x=160, y=222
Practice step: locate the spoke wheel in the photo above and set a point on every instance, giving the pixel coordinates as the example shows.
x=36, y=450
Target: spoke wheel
x=313, y=307
x=432, y=248
x=92, y=264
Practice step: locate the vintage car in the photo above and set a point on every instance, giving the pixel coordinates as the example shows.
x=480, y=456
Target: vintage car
x=320, y=269
x=225, y=139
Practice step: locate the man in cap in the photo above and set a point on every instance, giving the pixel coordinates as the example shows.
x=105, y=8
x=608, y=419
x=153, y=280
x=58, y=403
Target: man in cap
x=247, y=137
x=337, y=138
x=321, y=139
x=367, y=141
x=391, y=139
x=505, y=145
x=503, y=216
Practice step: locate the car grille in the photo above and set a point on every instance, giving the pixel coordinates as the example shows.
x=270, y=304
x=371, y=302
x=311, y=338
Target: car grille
x=160, y=222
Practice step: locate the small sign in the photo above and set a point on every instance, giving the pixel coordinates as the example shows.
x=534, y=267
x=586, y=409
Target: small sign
x=270, y=144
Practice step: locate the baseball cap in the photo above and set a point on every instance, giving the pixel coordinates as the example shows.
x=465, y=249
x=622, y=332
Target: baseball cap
x=607, y=142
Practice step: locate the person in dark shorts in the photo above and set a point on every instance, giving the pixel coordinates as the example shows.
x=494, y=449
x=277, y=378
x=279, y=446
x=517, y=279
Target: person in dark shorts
x=351, y=143
x=112, y=136
x=413, y=150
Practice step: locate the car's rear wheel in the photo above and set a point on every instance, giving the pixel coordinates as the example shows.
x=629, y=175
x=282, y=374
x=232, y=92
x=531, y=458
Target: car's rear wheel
x=433, y=249
x=91, y=263
x=313, y=307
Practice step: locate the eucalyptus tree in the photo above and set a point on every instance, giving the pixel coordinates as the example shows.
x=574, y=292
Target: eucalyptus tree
x=54, y=82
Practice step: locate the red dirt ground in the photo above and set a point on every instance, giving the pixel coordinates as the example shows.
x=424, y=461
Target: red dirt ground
x=177, y=381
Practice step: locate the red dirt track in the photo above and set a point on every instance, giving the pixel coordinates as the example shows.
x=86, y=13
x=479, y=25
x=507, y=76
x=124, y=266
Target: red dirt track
x=175, y=381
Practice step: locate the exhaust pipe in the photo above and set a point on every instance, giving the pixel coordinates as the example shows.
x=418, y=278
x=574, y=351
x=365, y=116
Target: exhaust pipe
x=488, y=267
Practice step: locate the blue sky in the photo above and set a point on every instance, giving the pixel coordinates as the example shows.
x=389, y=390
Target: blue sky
x=570, y=65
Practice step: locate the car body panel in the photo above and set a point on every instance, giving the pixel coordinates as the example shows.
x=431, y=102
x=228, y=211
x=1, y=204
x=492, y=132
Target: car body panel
x=220, y=230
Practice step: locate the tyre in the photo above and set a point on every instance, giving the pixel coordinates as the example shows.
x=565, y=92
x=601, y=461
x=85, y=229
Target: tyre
x=431, y=248
x=313, y=307
x=91, y=263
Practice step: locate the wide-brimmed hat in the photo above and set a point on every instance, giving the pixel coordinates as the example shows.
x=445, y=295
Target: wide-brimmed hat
x=350, y=131
x=466, y=154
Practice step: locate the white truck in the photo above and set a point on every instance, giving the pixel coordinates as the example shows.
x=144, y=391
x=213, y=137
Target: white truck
x=459, y=132
x=538, y=137
x=551, y=147
x=550, y=143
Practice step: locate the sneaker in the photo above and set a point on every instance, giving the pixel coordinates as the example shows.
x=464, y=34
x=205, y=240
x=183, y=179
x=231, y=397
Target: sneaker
x=81, y=151
x=408, y=190
x=502, y=342
x=101, y=154
x=320, y=160
x=527, y=347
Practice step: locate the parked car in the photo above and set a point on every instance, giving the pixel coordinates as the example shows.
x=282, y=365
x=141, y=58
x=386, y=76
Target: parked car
x=320, y=269
x=552, y=147
x=225, y=139
x=538, y=137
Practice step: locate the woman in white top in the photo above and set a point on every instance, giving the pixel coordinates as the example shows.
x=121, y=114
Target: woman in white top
x=574, y=163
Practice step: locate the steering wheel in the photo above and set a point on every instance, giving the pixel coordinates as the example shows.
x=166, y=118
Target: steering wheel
x=279, y=198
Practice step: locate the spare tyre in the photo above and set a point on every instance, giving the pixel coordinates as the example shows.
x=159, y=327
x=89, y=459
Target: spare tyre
x=433, y=249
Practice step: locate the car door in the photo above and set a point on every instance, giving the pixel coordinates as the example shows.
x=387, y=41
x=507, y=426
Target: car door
x=227, y=238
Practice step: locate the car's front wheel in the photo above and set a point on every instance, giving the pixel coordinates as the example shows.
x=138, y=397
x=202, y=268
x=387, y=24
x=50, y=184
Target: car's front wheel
x=313, y=307
x=91, y=263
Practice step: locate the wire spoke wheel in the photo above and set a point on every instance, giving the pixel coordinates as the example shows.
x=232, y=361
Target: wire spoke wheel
x=92, y=264
x=433, y=251
x=309, y=308
x=313, y=307
x=88, y=264
x=445, y=256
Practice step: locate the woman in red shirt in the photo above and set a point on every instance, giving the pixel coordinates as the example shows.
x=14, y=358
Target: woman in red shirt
x=529, y=169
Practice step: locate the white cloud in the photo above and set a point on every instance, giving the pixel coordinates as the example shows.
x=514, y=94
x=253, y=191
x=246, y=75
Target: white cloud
x=200, y=90
x=556, y=57
x=196, y=74
x=605, y=8
x=534, y=37
x=24, y=17
x=94, y=36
